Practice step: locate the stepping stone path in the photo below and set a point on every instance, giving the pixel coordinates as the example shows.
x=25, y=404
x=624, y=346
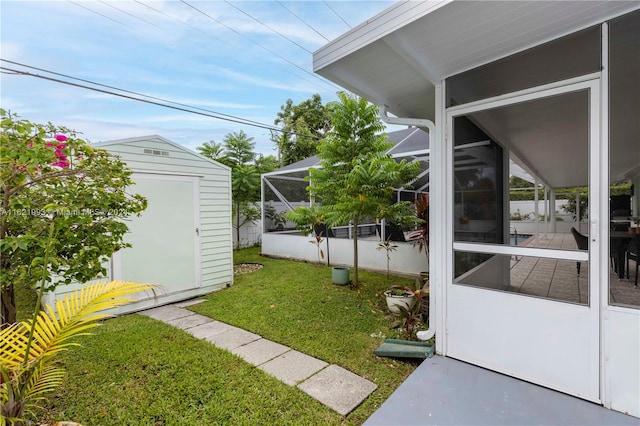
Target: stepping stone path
x=335, y=387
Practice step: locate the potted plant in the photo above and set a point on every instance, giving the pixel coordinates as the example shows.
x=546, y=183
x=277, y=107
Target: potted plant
x=400, y=297
x=408, y=306
x=409, y=319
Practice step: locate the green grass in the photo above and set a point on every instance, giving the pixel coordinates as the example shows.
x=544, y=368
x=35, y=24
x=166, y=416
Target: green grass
x=137, y=371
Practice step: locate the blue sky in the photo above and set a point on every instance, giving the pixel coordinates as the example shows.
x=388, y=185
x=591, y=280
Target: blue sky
x=217, y=58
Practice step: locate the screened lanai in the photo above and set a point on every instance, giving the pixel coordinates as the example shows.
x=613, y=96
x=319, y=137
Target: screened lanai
x=285, y=189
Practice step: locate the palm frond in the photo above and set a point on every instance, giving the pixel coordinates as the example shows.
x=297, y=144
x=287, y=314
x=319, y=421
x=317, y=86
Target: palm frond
x=22, y=383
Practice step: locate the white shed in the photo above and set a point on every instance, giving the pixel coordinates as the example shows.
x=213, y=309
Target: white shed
x=183, y=240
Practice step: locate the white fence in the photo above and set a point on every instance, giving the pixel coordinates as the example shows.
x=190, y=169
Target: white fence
x=405, y=260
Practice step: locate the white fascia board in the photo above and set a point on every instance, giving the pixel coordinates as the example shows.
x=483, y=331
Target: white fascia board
x=384, y=23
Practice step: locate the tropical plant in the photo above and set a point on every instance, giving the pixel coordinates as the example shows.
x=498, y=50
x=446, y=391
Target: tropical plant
x=389, y=247
x=357, y=175
x=277, y=218
x=317, y=241
x=244, y=182
x=239, y=148
x=410, y=315
x=214, y=151
x=49, y=174
x=28, y=366
x=422, y=213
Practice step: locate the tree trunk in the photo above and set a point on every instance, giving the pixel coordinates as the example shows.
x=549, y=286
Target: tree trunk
x=238, y=227
x=8, y=310
x=355, y=253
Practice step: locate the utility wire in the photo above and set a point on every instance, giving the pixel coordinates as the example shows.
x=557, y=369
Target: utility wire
x=268, y=27
x=108, y=17
x=256, y=43
x=218, y=116
x=131, y=14
x=301, y=20
x=337, y=14
x=315, y=83
x=127, y=91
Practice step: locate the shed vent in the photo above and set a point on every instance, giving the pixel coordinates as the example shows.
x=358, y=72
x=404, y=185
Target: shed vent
x=156, y=152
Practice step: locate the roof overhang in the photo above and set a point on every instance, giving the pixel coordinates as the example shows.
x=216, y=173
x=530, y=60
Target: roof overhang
x=397, y=57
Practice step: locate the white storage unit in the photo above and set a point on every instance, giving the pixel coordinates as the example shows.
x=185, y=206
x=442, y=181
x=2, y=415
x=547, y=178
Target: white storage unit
x=183, y=240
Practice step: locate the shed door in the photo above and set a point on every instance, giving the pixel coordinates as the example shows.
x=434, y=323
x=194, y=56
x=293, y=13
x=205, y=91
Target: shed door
x=165, y=241
x=522, y=309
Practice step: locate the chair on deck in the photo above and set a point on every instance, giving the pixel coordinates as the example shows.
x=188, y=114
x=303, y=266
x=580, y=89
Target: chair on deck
x=582, y=241
x=632, y=253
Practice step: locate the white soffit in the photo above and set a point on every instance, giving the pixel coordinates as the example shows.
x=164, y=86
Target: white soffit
x=396, y=57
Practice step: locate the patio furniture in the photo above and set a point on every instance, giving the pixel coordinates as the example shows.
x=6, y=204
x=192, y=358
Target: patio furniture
x=582, y=241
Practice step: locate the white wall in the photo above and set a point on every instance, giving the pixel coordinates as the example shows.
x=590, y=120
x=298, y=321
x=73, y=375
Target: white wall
x=622, y=358
x=406, y=260
x=250, y=234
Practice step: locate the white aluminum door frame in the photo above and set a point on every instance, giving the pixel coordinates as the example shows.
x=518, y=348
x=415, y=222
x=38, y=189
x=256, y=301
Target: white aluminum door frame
x=590, y=389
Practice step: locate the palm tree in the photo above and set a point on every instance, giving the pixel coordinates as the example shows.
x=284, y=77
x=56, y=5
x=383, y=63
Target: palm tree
x=28, y=367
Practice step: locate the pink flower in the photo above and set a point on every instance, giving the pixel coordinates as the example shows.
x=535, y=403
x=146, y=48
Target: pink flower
x=50, y=144
x=61, y=163
x=61, y=138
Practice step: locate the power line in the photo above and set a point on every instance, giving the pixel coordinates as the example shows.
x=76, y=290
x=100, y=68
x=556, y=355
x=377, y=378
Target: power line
x=268, y=27
x=131, y=14
x=315, y=83
x=107, y=17
x=337, y=14
x=302, y=20
x=255, y=42
x=158, y=101
x=127, y=91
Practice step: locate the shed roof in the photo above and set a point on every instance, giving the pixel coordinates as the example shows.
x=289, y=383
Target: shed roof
x=157, y=138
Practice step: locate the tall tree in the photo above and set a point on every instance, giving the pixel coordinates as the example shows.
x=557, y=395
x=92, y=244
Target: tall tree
x=245, y=182
x=238, y=153
x=214, y=151
x=303, y=125
x=239, y=148
x=357, y=177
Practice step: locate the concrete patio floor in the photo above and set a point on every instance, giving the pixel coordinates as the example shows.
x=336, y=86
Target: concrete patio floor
x=558, y=279
x=445, y=391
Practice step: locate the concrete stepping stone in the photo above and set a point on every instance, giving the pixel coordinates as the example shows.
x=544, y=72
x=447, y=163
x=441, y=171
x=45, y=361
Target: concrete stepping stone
x=209, y=329
x=232, y=338
x=166, y=313
x=260, y=351
x=189, y=321
x=293, y=367
x=339, y=389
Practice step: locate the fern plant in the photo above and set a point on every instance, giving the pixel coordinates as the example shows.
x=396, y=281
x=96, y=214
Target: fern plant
x=28, y=349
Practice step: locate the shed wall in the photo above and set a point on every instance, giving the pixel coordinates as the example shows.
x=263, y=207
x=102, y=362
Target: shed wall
x=213, y=188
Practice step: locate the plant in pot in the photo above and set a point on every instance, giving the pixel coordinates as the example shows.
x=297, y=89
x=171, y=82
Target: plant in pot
x=398, y=296
x=408, y=306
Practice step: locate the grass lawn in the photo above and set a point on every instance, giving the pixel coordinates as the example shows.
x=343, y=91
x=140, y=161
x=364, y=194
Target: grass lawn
x=138, y=371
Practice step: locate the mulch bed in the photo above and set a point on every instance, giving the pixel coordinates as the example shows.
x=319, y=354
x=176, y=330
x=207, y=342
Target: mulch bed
x=246, y=268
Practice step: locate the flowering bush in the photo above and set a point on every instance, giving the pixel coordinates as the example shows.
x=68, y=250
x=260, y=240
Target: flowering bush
x=48, y=174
